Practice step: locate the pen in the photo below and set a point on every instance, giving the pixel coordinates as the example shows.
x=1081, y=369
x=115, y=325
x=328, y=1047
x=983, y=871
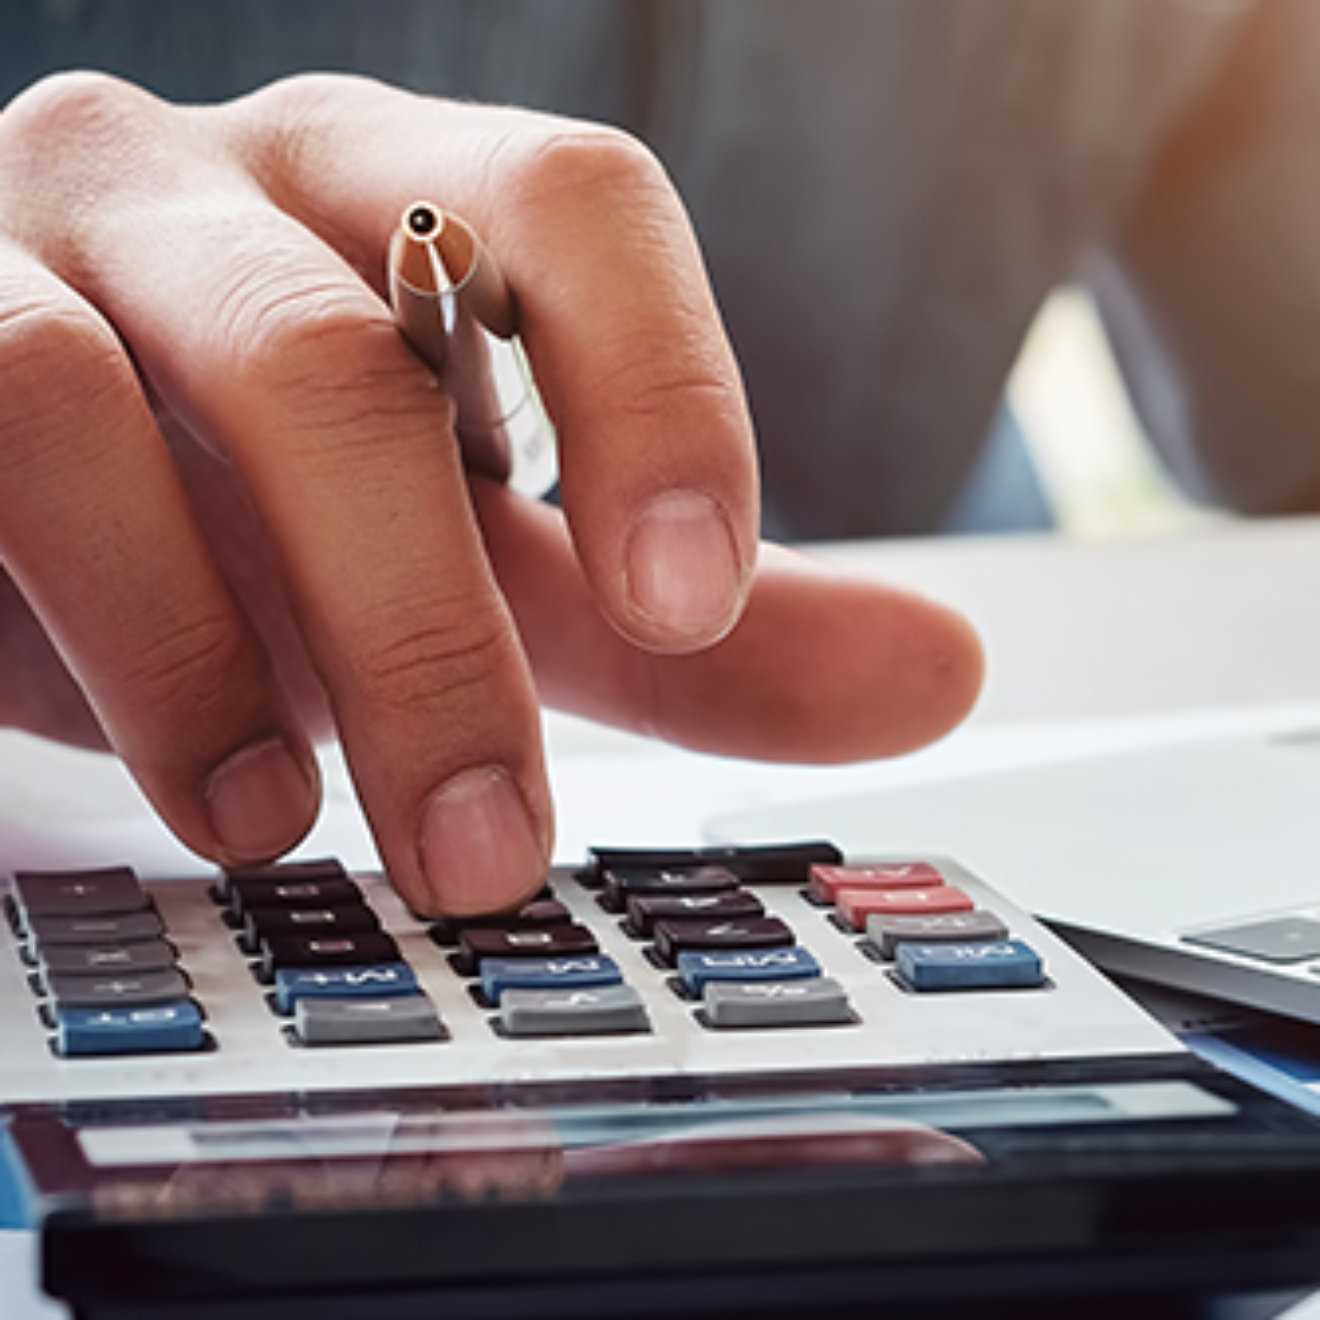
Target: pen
x=452, y=305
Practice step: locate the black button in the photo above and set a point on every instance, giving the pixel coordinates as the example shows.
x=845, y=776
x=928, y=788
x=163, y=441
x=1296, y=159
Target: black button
x=622, y=885
x=261, y=923
x=478, y=942
x=675, y=937
x=246, y=895
x=758, y=863
x=324, y=868
x=539, y=912
x=644, y=910
x=327, y=951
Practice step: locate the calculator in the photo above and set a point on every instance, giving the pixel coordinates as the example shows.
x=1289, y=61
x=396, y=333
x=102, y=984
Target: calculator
x=719, y=1080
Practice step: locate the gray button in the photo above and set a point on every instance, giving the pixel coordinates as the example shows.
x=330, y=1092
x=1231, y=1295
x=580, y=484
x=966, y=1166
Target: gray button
x=108, y=959
x=1278, y=940
x=820, y=1001
x=887, y=930
x=366, y=1021
x=128, y=928
x=79, y=893
x=580, y=1012
x=72, y=991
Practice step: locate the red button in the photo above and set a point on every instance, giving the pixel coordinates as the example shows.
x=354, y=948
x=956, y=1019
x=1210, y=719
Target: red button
x=855, y=905
x=827, y=881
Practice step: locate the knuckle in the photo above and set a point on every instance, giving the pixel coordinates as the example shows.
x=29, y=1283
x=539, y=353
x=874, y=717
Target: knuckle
x=588, y=160
x=281, y=320
x=191, y=665
x=436, y=664
x=60, y=365
x=79, y=131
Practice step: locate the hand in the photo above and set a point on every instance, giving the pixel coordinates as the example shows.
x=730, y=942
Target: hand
x=235, y=516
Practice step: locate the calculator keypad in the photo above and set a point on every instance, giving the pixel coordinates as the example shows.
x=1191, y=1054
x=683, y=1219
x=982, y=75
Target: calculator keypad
x=687, y=935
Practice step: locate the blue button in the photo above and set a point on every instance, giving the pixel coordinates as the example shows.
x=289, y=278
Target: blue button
x=501, y=974
x=793, y=963
x=375, y=981
x=144, y=1030
x=1003, y=963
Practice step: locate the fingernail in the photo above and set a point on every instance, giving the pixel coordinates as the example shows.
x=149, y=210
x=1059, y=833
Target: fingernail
x=682, y=566
x=479, y=851
x=261, y=801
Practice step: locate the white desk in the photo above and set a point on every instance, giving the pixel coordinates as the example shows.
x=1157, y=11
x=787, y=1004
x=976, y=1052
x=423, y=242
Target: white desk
x=1091, y=645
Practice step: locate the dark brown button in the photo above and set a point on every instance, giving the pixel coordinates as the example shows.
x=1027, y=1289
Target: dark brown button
x=260, y=923
x=246, y=895
x=539, y=912
x=644, y=910
x=620, y=886
x=478, y=942
x=327, y=951
x=322, y=868
x=675, y=937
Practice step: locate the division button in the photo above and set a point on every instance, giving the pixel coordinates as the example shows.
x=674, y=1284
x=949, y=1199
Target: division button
x=380, y=982
x=106, y=960
x=821, y=1001
x=126, y=928
x=1003, y=965
x=854, y=906
x=162, y=987
x=697, y=970
x=501, y=974
x=326, y=951
x=826, y=881
x=366, y=1021
x=480, y=942
x=644, y=910
x=79, y=893
x=887, y=930
x=622, y=885
x=675, y=937
x=580, y=1012
x=90, y=1031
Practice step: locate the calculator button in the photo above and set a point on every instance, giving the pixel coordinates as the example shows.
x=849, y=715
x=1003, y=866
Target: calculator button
x=88, y=1031
x=380, y=982
x=104, y=960
x=159, y=987
x=127, y=928
x=580, y=1012
x=854, y=906
x=277, y=873
x=480, y=942
x=501, y=974
x=262, y=922
x=293, y=894
x=645, y=910
x=887, y=930
x=757, y=863
x=697, y=970
x=1278, y=940
x=821, y=1001
x=675, y=937
x=79, y=893
x=366, y=1021
x=827, y=881
x=1008, y=963
x=539, y=912
x=326, y=951
x=622, y=885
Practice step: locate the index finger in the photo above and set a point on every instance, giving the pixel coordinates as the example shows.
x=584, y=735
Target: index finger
x=657, y=456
